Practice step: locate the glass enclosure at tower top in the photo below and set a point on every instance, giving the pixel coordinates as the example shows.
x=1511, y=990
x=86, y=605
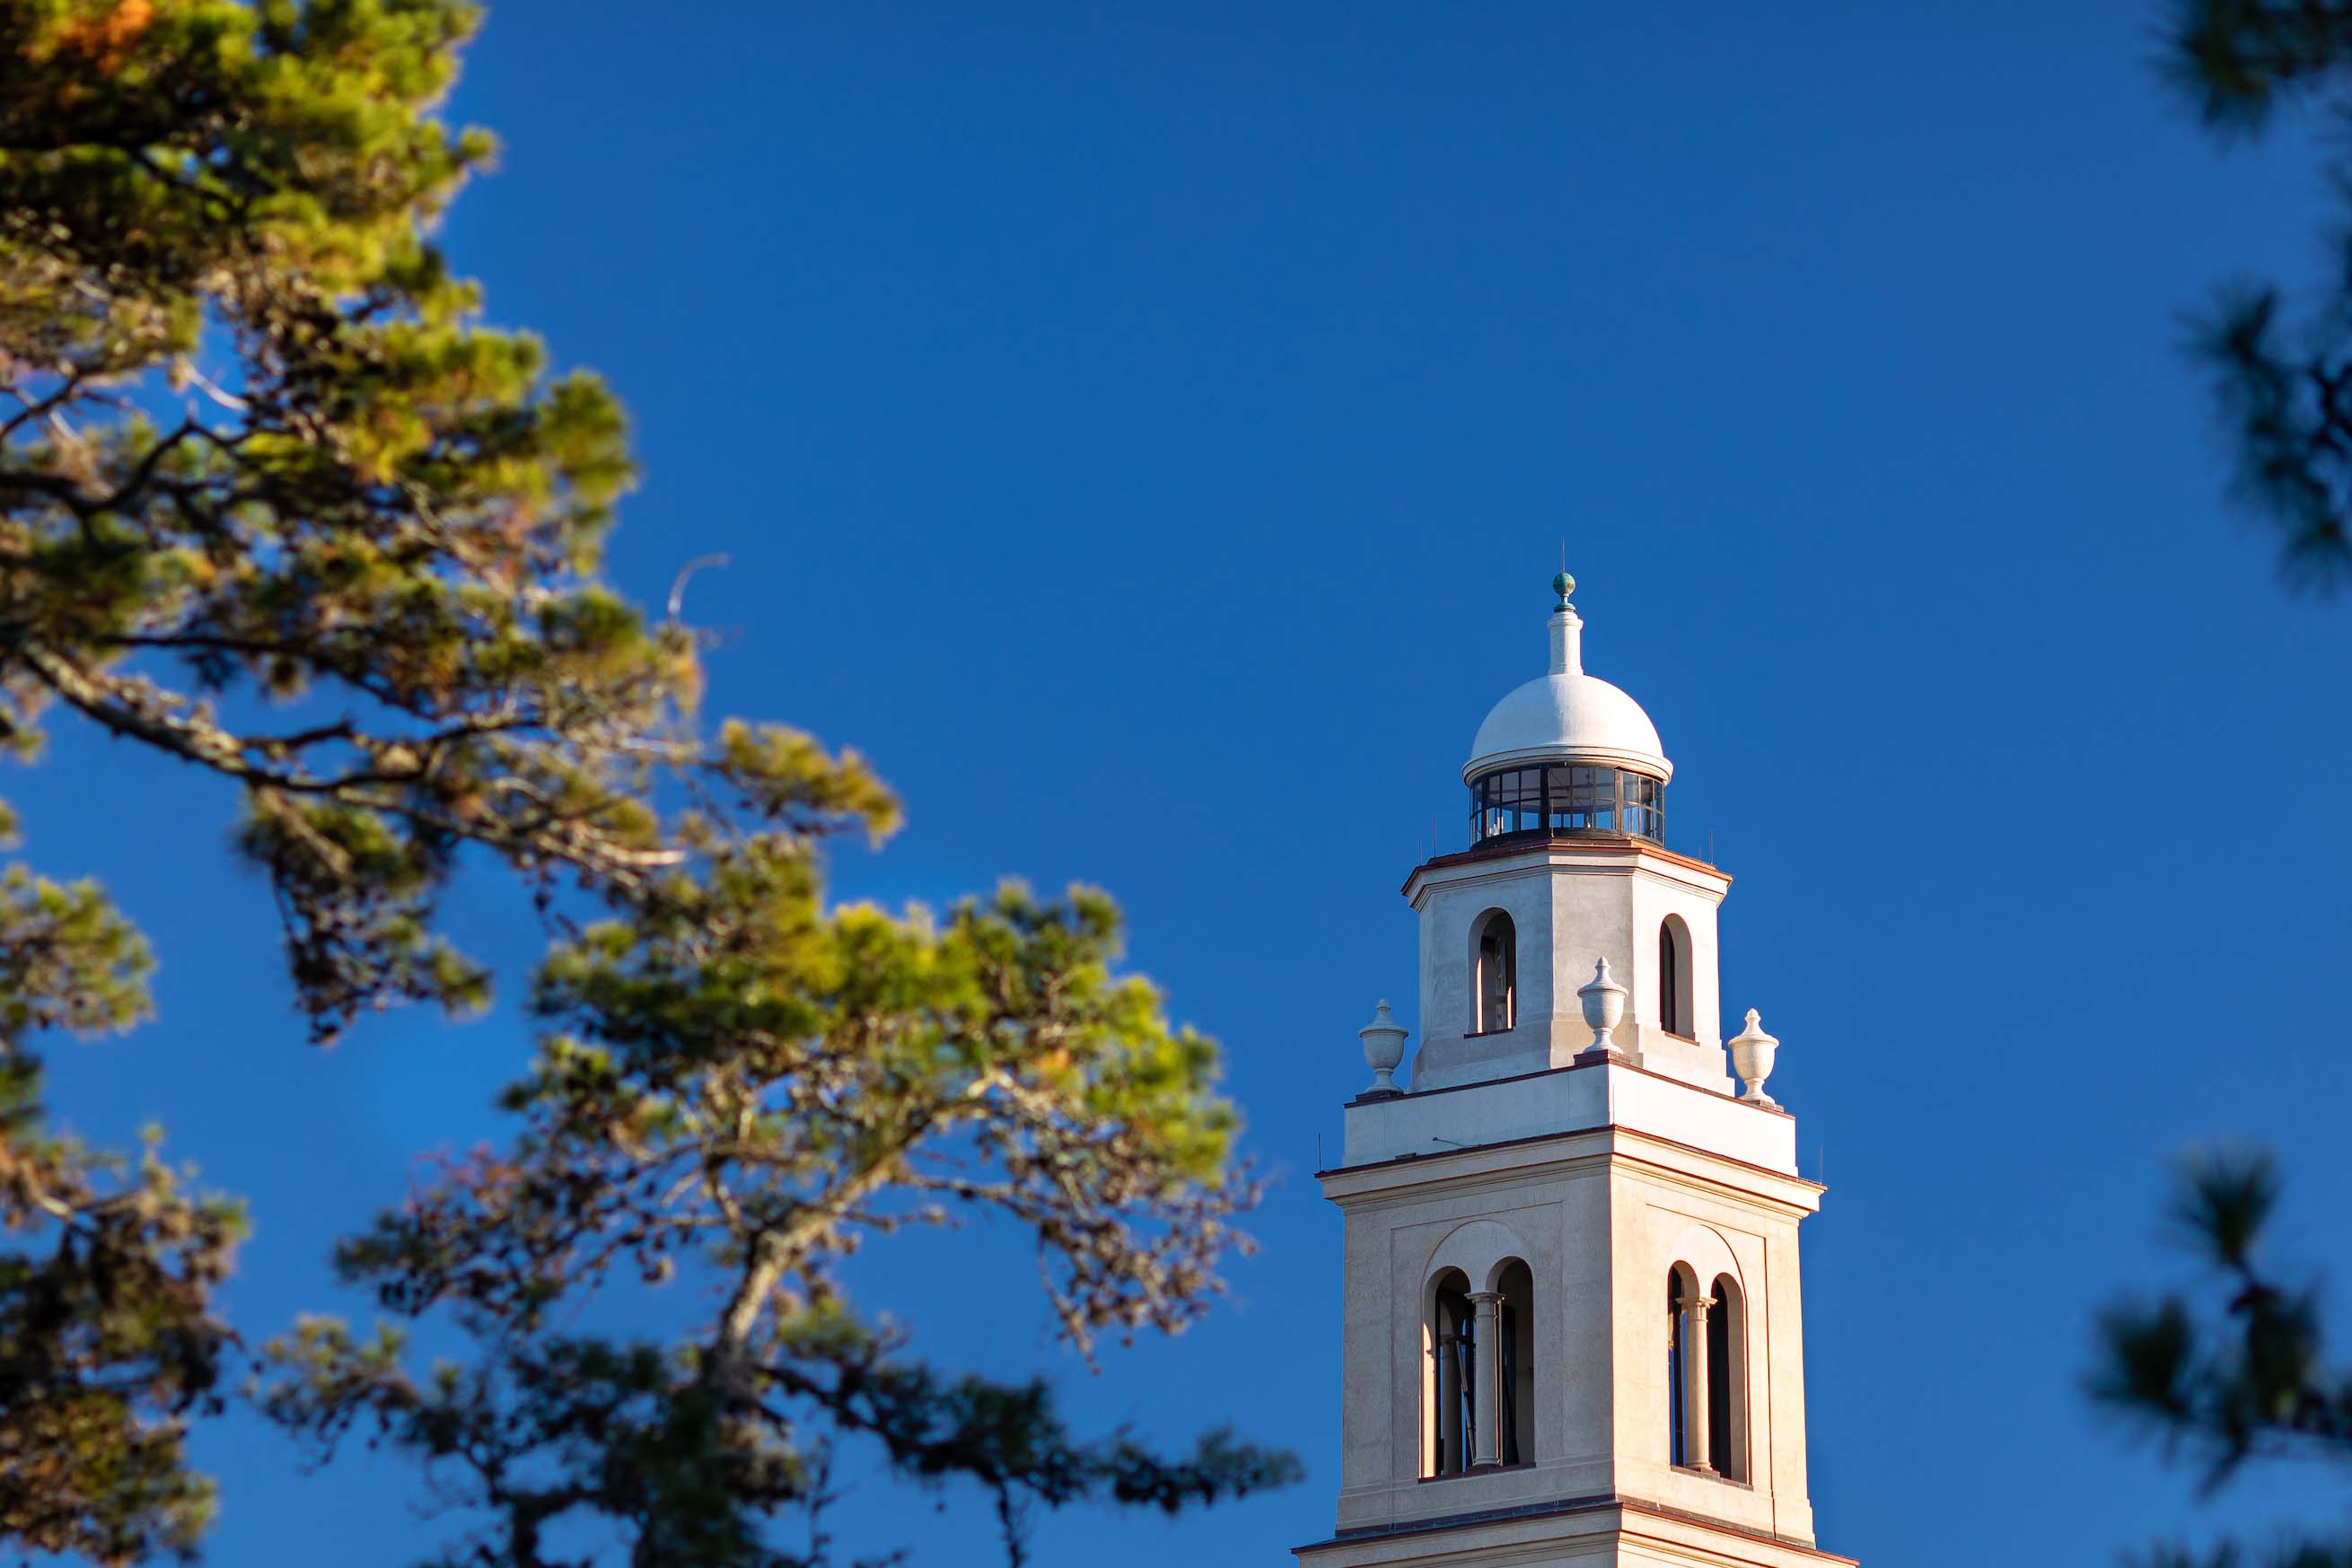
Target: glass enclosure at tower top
x=1567, y=798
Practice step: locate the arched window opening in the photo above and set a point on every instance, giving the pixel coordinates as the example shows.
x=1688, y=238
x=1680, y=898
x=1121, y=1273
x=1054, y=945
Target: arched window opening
x=1726, y=1403
x=1496, y=985
x=1517, y=1320
x=1674, y=978
x=1706, y=1375
x=1680, y=1289
x=1449, y=1377
x=1478, y=1372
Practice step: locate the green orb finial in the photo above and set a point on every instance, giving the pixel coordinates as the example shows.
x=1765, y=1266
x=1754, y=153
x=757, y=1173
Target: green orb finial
x=1563, y=585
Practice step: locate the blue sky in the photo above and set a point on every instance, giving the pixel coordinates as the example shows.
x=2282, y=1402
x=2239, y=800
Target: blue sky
x=1147, y=433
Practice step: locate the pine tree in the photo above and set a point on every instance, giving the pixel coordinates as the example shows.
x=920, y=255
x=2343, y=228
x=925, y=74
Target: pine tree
x=2240, y=1376
x=275, y=504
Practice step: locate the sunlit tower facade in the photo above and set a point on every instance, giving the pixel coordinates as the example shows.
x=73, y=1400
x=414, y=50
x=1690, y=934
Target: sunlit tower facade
x=1573, y=1331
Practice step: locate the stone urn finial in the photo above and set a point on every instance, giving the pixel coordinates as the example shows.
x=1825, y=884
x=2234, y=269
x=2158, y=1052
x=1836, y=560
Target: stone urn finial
x=1751, y=1057
x=1604, y=1007
x=1383, y=1041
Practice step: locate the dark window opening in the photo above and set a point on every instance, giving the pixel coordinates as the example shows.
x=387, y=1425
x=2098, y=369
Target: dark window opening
x=1516, y=1340
x=1674, y=978
x=1718, y=1386
x=1454, y=1376
x=1677, y=1440
x=1497, y=984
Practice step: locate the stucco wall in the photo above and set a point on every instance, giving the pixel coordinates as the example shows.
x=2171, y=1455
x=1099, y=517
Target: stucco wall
x=1661, y=1219
x=1600, y=1216
x=1591, y=1094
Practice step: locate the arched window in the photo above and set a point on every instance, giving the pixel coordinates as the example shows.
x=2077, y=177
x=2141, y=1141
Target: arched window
x=1478, y=1372
x=1495, y=983
x=1727, y=1393
x=1674, y=978
x=1706, y=1375
x=1449, y=1377
x=1680, y=1289
x=1515, y=1317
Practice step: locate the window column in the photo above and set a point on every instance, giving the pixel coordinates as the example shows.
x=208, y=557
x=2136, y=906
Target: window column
x=1693, y=1389
x=1486, y=1385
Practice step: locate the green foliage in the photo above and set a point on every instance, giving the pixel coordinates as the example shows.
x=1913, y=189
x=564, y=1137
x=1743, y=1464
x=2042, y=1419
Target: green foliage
x=108, y=1343
x=362, y=496
x=754, y=1087
x=647, y=1439
x=2282, y=379
x=276, y=505
x=2241, y=1375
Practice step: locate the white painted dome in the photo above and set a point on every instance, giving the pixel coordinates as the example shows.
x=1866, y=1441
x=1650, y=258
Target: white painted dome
x=1568, y=715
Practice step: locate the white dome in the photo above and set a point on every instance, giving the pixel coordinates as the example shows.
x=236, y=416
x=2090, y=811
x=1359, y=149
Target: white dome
x=1568, y=715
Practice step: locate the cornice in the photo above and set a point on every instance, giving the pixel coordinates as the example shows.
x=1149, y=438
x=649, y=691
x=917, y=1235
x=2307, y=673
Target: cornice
x=1636, y=1517
x=1570, y=850
x=1411, y=1177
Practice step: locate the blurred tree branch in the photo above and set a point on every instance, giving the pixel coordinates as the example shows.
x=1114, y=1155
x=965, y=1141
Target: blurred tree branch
x=2282, y=379
x=2238, y=1374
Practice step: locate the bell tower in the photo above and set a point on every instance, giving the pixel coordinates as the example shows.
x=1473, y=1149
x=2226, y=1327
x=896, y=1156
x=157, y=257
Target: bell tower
x=1573, y=1329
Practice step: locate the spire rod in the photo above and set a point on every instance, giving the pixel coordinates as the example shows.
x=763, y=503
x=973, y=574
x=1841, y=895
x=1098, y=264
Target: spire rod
x=1566, y=630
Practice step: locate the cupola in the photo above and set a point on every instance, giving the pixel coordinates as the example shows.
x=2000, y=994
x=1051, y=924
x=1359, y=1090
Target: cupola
x=1567, y=868
x=1567, y=753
